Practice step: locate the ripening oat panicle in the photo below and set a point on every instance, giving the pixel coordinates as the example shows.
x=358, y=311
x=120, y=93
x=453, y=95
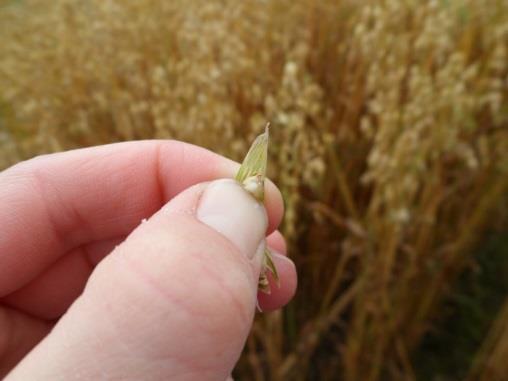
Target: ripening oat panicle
x=389, y=142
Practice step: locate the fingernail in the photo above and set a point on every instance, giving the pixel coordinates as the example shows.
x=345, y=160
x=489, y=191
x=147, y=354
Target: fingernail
x=226, y=207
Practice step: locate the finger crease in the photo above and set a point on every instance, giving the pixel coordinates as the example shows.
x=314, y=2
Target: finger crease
x=161, y=190
x=58, y=234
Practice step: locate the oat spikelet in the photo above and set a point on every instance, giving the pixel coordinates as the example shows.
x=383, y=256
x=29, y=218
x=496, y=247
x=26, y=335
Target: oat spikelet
x=252, y=176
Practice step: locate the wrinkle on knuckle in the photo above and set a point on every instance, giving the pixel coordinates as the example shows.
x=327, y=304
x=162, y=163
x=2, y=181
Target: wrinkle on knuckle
x=217, y=293
x=230, y=293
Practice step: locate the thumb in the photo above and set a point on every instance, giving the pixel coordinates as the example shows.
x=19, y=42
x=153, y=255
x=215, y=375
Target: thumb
x=174, y=301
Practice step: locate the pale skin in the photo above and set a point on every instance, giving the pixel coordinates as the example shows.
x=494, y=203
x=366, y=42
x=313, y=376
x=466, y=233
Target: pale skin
x=166, y=299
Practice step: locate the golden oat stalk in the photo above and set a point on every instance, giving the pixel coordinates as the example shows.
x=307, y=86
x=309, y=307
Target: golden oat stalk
x=252, y=175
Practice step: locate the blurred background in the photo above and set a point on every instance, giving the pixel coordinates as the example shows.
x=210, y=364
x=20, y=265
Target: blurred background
x=389, y=143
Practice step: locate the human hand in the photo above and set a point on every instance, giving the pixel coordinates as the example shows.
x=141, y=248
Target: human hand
x=175, y=298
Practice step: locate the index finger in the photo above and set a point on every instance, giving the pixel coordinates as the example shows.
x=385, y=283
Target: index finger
x=54, y=203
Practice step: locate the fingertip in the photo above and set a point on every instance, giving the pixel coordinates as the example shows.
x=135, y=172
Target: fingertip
x=277, y=242
x=274, y=204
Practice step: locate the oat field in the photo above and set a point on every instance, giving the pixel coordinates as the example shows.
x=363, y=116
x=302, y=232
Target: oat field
x=389, y=142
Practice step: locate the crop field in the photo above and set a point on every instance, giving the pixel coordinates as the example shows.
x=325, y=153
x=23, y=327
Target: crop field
x=389, y=143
